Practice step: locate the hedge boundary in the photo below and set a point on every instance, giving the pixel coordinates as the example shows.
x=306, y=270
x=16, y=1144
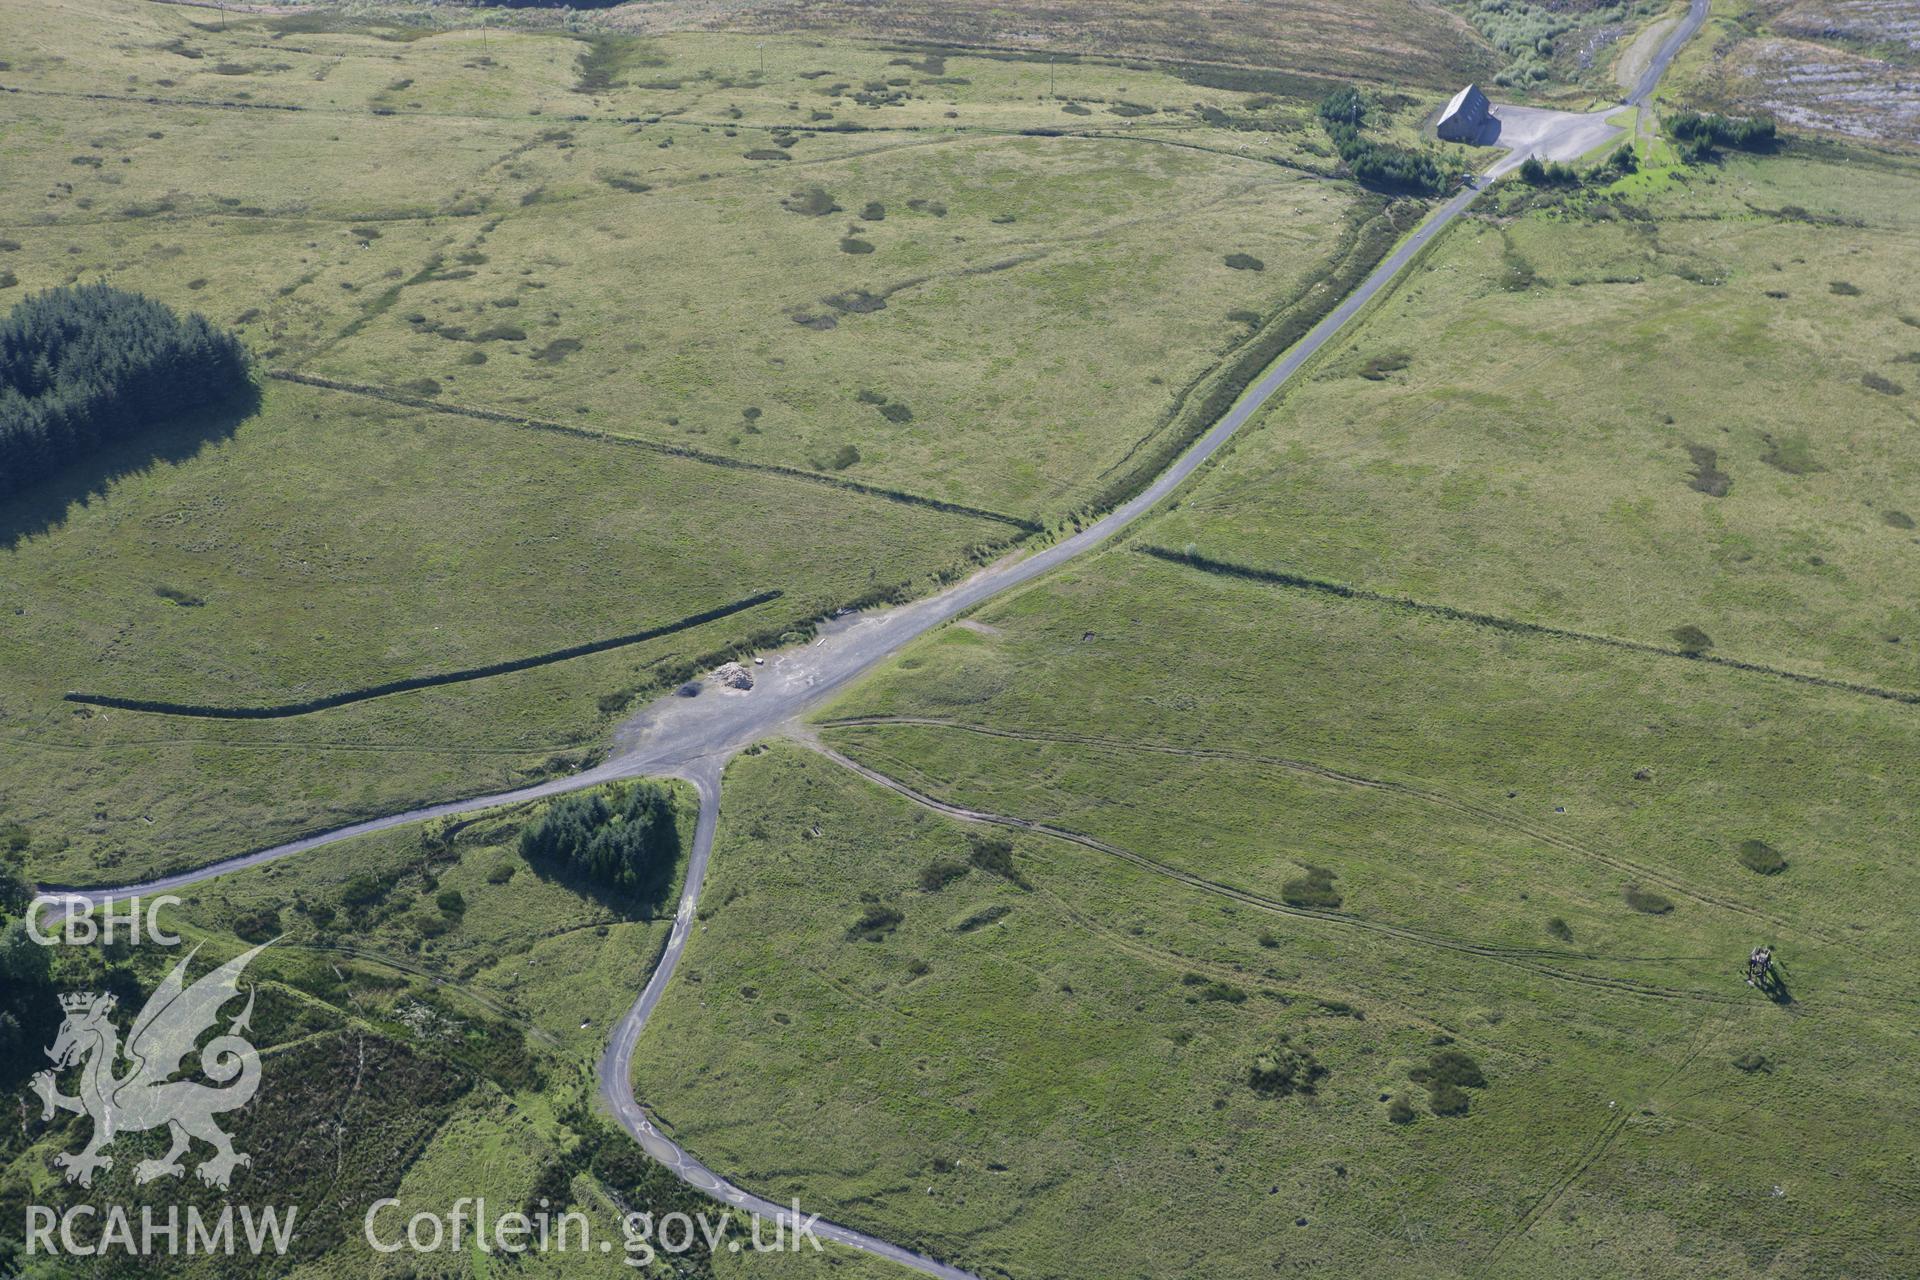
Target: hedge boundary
x=1279, y=578
x=656, y=446
x=346, y=697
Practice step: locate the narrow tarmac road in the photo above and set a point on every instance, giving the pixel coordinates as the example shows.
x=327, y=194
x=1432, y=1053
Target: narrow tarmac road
x=1650, y=78
x=693, y=737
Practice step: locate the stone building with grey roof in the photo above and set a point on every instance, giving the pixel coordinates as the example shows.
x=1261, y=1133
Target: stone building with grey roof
x=1465, y=118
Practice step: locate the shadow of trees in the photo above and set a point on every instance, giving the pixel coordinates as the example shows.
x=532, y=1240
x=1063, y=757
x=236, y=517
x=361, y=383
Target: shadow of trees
x=45, y=505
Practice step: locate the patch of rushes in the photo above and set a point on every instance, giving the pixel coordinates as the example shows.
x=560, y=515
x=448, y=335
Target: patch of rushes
x=1278, y=578
x=1761, y=857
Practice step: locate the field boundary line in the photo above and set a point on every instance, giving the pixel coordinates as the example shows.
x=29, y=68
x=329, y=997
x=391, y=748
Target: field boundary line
x=657, y=446
x=346, y=697
x=1299, y=582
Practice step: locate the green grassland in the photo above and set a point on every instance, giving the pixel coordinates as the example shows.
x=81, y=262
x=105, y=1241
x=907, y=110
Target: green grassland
x=1536, y=423
x=1039, y=312
x=332, y=543
x=414, y=1044
x=565, y=269
x=571, y=232
x=1241, y=809
x=545, y=954
x=1331, y=935
x=1072, y=1060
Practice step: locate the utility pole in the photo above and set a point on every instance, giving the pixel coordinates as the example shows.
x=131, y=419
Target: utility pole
x=762, y=47
x=1050, y=61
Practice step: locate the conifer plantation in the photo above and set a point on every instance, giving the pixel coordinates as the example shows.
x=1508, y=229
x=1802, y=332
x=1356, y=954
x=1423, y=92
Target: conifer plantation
x=80, y=366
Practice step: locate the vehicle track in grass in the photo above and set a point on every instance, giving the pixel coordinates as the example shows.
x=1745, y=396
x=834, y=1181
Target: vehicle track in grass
x=1176, y=962
x=1530, y=959
x=1597, y=1146
x=1485, y=813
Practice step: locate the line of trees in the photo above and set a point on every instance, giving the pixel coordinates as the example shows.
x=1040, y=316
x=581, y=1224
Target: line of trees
x=86, y=364
x=1555, y=173
x=1550, y=174
x=1379, y=165
x=1702, y=133
x=626, y=839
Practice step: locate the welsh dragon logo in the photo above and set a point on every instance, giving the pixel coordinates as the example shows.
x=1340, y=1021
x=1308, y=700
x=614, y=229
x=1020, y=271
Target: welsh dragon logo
x=145, y=1097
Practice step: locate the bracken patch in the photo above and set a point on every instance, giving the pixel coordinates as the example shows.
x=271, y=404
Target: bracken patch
x=1285, y=1069
x=1793, y=455
x=875, y=923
